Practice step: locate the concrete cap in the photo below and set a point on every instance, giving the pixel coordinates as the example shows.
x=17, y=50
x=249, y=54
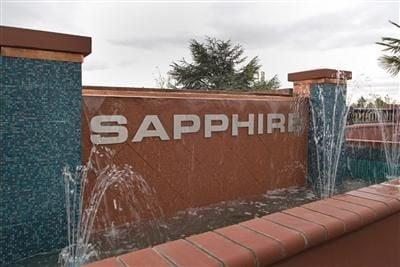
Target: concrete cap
x=318, y=74
x=41, y=40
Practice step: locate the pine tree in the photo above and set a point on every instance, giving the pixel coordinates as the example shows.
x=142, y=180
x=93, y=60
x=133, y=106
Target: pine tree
x=218, y=64
x=361, y=102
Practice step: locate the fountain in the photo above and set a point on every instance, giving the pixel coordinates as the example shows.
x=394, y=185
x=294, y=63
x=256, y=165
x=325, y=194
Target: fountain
x=373, y=143
x=328, y=123
x=195, y=181
x=133, y=198
x=389, y=125
x=94, y=232
x=328, y=113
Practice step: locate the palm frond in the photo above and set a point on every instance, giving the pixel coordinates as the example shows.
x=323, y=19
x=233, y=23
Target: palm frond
x=391, y=64
x=395, y=24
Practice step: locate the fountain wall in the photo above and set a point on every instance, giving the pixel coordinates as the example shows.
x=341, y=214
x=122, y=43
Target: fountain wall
x=199, y=148
x=192, y=148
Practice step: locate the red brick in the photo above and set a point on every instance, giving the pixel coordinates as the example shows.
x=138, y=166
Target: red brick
x=381, y=210
x=230, y=253
x=387, y=191
x=183, y=253
x=292, y=242
x=334, y=227
x=110, y=262
x=312, y=232
x=392, y=203
x=351, y=220
x=366, y=214
x=267, y=250
x=145, y=257
x=393, y=182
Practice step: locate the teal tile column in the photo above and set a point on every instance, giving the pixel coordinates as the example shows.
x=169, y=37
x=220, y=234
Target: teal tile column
x=40, y=109
x=326, y=93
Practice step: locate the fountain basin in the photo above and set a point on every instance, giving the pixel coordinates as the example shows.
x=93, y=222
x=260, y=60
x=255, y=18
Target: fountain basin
x=357, y=228
x=194, y=168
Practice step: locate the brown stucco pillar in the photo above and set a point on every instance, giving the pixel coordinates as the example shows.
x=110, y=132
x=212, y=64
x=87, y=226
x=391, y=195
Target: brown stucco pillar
x=303, y=80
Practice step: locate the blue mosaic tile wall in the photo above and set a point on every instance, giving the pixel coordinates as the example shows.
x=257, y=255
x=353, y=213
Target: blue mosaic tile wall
x=40, y=133
x=329, y=109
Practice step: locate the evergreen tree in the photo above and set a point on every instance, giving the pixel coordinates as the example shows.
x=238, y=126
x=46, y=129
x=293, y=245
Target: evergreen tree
x=218, y=64
x=361, y=102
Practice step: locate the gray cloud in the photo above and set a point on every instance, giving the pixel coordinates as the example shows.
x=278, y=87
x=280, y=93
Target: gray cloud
x=131, y=39
x=358, y=26
x=352, y=27
x=95, y=65
x=154, y=41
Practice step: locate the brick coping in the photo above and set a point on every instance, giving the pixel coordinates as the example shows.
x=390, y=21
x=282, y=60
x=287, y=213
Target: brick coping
x=318, y=74
x=43, y=40
x=272, y=238
x=184, y=93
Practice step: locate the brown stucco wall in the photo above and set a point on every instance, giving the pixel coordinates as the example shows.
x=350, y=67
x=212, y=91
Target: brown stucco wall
x=197, y=171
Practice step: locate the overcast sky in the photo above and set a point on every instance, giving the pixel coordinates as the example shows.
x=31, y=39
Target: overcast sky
x=133, y=40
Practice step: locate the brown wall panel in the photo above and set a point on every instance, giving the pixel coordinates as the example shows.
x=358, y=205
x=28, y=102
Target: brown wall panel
x=196, y=171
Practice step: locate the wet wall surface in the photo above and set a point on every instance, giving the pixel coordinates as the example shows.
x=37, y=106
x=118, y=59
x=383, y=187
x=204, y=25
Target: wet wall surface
x=196, y=171
x=40, y=134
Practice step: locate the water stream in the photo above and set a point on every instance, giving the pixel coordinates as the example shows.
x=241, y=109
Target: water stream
x=84, y=194
x=328, y=123
x=389, y=126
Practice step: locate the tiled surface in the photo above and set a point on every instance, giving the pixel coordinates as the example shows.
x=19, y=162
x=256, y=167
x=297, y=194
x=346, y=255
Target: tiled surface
x=228, y=251
x=181, y=252
x=334, y=227
x=40, y=133
x=264, y=241
x=145, y=257
x=313, y=233
x=327, y=105
x=349, y=219
x=264, y=248
x=289, y=240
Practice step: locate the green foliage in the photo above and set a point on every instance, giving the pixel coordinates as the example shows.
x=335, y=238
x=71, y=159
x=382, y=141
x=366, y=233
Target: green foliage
x=391, y=63
x=379, y=103
x=262, y=84
x=361, y=102
x=219, y=64
x=374, y=101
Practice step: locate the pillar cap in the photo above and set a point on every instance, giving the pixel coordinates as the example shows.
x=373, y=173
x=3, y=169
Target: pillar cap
x=318, y=74
x=42, y=40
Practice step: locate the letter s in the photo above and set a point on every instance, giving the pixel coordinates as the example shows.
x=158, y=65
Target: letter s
x=96, y=126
